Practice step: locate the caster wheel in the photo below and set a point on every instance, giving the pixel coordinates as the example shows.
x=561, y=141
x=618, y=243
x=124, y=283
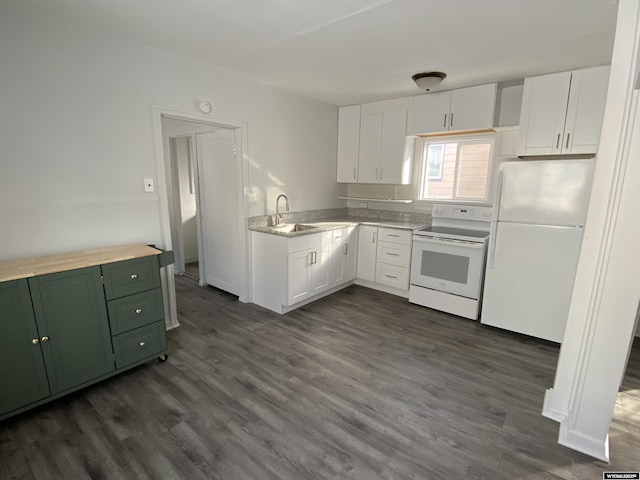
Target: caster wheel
x=163, y=357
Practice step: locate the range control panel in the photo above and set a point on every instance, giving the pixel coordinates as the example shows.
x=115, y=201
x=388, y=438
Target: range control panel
x=462, y=212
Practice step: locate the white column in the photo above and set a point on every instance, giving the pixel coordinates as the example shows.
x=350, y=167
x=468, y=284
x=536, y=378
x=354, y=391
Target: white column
x=606, y=295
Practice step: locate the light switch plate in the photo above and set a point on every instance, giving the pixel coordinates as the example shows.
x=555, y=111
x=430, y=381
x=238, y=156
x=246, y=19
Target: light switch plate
x=148, y=185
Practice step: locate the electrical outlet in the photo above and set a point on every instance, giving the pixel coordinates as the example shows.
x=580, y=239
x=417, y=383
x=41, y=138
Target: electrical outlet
x=148, y=185
x=363, y=204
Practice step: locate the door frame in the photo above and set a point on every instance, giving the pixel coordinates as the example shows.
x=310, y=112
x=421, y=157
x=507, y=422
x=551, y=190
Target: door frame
x=165, y=194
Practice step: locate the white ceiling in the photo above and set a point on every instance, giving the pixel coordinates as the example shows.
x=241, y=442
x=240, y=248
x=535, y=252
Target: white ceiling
x=355, y=51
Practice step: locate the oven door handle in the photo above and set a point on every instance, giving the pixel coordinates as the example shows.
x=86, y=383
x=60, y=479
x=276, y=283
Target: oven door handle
x=457, y=243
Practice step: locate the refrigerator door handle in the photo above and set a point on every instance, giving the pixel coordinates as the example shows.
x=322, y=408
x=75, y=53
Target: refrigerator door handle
x=494, y=221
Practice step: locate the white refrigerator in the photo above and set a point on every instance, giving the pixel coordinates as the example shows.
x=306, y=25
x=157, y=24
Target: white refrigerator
x=536, y=232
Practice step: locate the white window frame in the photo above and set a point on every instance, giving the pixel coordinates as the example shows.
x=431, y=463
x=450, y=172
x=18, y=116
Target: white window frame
x=421, y=147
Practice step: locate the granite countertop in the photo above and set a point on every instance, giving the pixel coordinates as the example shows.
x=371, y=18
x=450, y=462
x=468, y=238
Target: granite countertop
x=340, y=222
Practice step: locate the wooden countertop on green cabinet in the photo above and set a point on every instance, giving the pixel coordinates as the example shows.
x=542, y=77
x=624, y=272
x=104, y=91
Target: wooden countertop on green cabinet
x=32, y=267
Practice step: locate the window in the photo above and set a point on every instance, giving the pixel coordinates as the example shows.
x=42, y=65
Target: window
x=456, y=169
x=434, y=162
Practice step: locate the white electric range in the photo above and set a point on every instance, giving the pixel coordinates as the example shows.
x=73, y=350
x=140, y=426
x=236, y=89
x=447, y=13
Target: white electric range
x=448, y=260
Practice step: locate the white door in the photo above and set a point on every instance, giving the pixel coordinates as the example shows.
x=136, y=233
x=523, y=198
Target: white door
x=351, y=263
x=585, y=110
x=547, y=192
x=430, y=113
x=367, y=246
x=348, y=143
x=321, y=269
x=392, y=143
x=217, y=170
x=529, y=279
x=473, y=107
x=544, y=108
x=299, y=276
x=369, y=150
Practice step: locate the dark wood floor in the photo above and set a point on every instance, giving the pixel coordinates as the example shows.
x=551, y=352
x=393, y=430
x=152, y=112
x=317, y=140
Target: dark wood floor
x=359, y=385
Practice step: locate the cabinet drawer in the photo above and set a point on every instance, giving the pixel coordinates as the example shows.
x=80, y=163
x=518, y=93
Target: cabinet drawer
x=392, y=275
x=130, y=276
x=339, y=235
x=139, y=344
x=134, y=311
x=394, y=254
x=394, y=235
x=305, y=242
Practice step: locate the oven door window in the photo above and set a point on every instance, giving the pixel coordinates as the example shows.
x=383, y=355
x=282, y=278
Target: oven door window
x=448, y=266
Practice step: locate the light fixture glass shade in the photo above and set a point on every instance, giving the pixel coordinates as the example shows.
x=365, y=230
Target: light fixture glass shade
x=428, y=80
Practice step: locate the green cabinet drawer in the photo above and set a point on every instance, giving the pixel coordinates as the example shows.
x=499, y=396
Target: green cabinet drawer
x=135, y=311
x=140, y=344
x=130, y=276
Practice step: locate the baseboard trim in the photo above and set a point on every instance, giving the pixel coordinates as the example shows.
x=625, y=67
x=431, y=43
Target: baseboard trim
x=584, y=443
x=548, y=411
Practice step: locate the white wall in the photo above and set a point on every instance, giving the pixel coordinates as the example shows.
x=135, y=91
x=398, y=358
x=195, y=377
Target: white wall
x=76, y=136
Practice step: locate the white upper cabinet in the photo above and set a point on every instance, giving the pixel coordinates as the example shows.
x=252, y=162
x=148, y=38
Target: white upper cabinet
x=372, y=143
x=562, y=112
x=348, y=143
x=471, y=108
x=369, y=152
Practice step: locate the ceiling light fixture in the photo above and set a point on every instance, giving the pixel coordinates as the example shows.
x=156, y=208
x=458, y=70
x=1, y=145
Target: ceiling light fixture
x=428, y=80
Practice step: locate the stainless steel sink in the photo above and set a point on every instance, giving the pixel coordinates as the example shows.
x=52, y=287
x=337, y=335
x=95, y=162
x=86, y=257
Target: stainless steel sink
x=295, y=227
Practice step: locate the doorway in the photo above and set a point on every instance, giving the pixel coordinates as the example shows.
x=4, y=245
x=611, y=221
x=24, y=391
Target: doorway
x=205, y=174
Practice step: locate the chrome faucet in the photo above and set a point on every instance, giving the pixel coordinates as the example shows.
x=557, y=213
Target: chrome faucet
x=286, y=206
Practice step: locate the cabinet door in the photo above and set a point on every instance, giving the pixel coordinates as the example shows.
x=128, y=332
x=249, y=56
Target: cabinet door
x=348, y=143
x=392, y=144
x=321, y=269
x=473, y=108
x=585, y=110
x=23, y=379
x=71, y=312
x=430, y=113
x=351, y=262
x=369, y=152
x=299, y=279
x=338, y=262
x=544, y=106
x=367, y=243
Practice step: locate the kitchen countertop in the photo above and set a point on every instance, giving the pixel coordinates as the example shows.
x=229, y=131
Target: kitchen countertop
x=340, y=222
x=34, y=266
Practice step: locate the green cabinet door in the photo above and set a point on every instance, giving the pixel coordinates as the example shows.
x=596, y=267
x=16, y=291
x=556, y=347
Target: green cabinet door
x=71, y=316
x=23, y=379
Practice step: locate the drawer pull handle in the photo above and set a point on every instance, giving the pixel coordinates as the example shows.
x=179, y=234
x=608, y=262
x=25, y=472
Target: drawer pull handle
x=134, y=276
x=392, y=235
x=390, y=276
x=35, y=341
x=138, y=311
x=392, y=254
x=44, y=339
x=142, y=344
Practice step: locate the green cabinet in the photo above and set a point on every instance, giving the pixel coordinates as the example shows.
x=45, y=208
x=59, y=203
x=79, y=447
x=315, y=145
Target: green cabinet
x=23, y=379
x=67, y=329
x=71, y=314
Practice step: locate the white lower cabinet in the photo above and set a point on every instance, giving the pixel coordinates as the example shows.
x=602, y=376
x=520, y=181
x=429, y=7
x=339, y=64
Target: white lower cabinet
x=308, y=273
x=291, y=271
x=367, y=245
x=344, y=255
x=384, y=257
x=287, y=271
